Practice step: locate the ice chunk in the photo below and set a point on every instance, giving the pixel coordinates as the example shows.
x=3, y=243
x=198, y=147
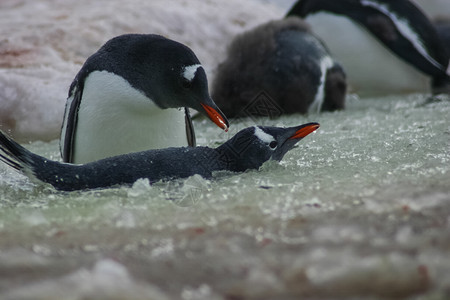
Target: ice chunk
x=108, y=279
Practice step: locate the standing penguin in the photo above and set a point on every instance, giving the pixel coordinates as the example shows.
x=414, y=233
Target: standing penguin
x=135, y=86
x=398, y=26
x=288, y=63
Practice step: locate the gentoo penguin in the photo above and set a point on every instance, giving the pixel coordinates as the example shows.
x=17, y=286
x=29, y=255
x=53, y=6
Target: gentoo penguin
x=135, y=87
x=398, y=25
x=248, y=149
x=288, y=63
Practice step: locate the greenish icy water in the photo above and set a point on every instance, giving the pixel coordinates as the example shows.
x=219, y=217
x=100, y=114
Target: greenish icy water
x=360, y=210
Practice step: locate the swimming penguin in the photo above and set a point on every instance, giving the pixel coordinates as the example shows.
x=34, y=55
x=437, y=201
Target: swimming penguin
x=248, y=149
x=286, y=62
x=399, y=26
x=135, y=87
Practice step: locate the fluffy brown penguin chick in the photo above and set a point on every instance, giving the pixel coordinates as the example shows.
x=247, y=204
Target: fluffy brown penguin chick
x=286, y=62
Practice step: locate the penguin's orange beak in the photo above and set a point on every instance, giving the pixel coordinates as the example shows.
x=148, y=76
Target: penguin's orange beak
x=304, y=131
x=216, y=116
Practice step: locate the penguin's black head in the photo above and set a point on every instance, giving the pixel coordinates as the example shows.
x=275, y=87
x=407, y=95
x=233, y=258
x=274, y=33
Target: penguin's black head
x=166, y=71
x=253, y=146
x=194, y=90
x=180, y=80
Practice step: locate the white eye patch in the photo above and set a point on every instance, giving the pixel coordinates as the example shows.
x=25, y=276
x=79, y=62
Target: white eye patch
x=265, y=137
x=189, y=71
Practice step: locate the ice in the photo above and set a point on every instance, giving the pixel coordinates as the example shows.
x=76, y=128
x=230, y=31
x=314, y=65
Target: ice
x=192, y=190
x=203, y=292
x=373, y=275
x=107, y=279
x=34, y=218
x=139, y=188
x=126, y=219
x=165, y=248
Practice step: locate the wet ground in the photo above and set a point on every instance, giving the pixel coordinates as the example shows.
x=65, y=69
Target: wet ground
x=360, y=210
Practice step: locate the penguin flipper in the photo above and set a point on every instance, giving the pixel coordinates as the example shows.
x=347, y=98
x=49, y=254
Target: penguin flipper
x=69, y=126
x=406, y=31
x=423, y=59
x=382, y=27
x=190, y=132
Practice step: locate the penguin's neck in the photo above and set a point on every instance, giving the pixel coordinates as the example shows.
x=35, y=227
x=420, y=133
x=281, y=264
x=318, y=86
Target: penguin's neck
x=231, y=158
x=114, y=118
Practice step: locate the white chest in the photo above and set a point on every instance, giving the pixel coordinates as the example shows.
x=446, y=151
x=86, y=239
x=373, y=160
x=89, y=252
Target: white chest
x=114, y=118
x=371, y=68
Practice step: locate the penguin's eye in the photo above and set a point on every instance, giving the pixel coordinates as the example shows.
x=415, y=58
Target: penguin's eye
x=273, y=144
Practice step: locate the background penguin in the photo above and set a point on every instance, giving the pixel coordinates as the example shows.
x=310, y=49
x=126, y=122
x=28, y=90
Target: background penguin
x=284, y=60
x=134, y=87
x=399, y=25
x=248, y=149
x=443, y=29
